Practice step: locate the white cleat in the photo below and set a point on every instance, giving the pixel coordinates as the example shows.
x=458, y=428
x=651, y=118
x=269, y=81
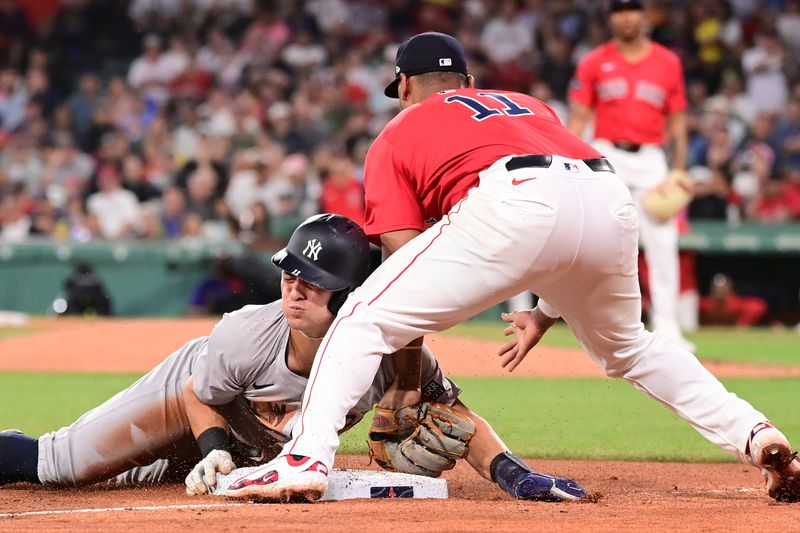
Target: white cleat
x=284, y=479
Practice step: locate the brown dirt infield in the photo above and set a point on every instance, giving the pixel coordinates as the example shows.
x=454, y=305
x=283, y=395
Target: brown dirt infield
x=632, y=496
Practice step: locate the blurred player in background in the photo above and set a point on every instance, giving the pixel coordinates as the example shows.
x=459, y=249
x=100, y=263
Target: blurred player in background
x=635, y=89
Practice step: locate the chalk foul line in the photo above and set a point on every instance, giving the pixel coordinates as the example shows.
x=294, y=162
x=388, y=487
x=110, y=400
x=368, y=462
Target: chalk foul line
x=127, y=508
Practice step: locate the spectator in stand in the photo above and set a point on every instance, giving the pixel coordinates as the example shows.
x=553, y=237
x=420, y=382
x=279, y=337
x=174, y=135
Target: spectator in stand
x=763, y=65
x=217, y=54
x=283, y=130
x=787, y=136
x=737, y=102
x=151, y=73
x=724, y=307
x=44, y=217
x=83, y=105
x=265, y=37
x=176, y=58
x=558, y=66
x=342, y=192
x=509, y=47
x=503, y=38
x=66, y=168
x=15, y=223
x=201, y=192
x=173, y=214
x=21, y=162
x=305, y=54
x=753, y=165
x=776, y=203
x=13, y=99
x=792, y=191
x=133, y=179
x=76, y=224
x=708, y=40
x=116, y=211
x=788, y=25
x=249, y=185
x=305, y=188
x=711, y=193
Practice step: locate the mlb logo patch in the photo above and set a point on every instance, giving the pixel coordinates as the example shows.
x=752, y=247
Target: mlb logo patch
x=445, y=62
x=572, y=167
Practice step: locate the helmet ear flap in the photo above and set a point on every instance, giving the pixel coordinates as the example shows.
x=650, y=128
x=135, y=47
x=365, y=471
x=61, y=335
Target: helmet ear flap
x=337, y=300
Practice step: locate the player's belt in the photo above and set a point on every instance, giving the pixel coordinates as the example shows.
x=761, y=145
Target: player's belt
x=627, y=146
x=544, y=161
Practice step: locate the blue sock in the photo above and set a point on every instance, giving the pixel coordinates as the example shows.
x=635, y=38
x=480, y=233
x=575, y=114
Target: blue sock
x=19, y=455
x=506, y=470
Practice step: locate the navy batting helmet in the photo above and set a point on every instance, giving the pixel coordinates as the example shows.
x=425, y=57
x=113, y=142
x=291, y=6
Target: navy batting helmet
x=328, y=251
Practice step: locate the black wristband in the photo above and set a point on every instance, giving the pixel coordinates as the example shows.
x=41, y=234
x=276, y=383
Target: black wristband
x=212, y=439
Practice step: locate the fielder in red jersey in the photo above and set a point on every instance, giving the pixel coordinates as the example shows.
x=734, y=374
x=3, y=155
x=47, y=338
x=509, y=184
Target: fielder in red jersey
x=635, y=89
x=422, y=172
x=631, y=100
x=522, y=205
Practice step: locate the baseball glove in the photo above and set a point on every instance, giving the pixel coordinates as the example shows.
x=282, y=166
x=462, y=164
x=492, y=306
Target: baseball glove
x=425, y=439
x=664, y=202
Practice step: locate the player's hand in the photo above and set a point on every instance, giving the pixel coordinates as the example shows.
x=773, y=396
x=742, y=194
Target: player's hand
x=204, y=475
x=529, y=326
x=395, y=398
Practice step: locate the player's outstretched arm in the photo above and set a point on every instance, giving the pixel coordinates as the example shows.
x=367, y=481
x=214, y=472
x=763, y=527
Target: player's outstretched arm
x=211, y=431
x=529, y=326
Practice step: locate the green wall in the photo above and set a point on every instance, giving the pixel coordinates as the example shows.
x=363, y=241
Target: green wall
x=141, y=278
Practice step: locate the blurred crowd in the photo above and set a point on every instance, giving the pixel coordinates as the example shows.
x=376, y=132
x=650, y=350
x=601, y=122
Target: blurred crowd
x=221, y=119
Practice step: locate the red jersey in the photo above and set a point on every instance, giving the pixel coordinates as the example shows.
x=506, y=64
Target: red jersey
x=631, y=100
x=428, y=157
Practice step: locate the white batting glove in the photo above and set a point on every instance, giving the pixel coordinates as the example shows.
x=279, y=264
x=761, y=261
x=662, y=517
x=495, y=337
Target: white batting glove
x=204, y=475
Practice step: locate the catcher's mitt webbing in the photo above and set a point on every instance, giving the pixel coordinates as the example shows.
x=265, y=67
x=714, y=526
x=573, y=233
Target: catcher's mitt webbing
x=425, y=439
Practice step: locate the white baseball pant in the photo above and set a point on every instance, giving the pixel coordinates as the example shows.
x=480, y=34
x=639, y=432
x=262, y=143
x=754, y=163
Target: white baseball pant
x=642, y=171
x=569, y=236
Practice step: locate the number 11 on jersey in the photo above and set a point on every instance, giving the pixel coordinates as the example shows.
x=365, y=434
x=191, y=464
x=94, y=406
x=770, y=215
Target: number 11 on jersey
x=482, y=112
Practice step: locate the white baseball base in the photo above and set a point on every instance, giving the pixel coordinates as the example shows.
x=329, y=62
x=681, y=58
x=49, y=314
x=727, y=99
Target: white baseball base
x=352, y=484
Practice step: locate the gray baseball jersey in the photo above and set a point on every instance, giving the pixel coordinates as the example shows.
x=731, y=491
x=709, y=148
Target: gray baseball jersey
x=142, y=434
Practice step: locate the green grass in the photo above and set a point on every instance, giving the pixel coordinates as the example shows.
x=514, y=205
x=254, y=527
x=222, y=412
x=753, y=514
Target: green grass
x=555, y=418
x=756, y=345
x=40, y=402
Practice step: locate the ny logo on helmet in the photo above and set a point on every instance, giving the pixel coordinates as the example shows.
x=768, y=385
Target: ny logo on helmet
x=312, y=249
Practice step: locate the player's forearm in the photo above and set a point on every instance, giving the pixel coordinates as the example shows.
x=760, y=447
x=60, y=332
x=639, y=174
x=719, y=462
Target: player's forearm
x=484, y=446
x=408, y=365
x=394, y=240
x=201, y=416
x=680, y=140
x=579, y=116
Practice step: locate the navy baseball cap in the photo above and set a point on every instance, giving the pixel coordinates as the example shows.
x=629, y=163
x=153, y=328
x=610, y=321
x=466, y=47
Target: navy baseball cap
x=427, y=52
x=621, y=5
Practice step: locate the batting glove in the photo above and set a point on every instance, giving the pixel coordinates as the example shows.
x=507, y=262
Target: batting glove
x=204, y=475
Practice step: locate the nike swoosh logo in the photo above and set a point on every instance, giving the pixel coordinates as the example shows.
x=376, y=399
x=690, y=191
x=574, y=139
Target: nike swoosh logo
x=515, y=181
x=259, y=387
